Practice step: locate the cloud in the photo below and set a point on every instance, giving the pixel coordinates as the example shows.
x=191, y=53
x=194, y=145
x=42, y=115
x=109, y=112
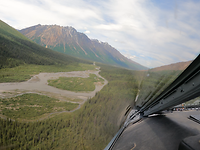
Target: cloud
x=87, y=32
x=28, y=13
x=130, y=56
x=108, y=27
x=151, y=33
x=146, y=33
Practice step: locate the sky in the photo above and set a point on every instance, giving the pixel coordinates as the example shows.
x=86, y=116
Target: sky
x=150, y=32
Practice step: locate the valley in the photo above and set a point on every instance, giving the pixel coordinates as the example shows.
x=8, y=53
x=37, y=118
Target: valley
x=38, y=84
x=68, y=129
x=37, y=109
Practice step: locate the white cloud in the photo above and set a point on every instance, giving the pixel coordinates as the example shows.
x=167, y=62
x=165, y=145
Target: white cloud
x=87, y=32
x=108, y=27
x=130, y=56
x=139, y=29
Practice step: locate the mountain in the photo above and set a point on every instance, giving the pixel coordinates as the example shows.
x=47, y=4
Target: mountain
x=175, y=66
x=16, y=49
x=67, y=40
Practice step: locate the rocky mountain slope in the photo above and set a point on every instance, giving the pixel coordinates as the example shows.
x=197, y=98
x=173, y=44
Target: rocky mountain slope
x=175, y=66
x=67, y=40
x=16, y=49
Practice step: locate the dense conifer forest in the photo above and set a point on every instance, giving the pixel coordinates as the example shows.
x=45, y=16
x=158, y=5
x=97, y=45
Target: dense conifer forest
x=90, y=127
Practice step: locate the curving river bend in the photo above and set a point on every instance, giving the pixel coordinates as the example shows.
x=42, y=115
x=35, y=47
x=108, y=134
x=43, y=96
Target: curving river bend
x=39, y=84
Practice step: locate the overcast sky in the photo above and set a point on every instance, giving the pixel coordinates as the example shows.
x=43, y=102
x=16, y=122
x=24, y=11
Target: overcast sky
x=150, y=32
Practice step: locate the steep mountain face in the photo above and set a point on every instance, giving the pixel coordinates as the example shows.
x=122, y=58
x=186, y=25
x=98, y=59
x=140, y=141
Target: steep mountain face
x=175, y=66
x=16, y=49
x=67, y=40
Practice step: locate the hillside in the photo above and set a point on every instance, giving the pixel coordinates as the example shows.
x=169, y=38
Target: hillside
x=67, y=40
x=17, y=49
x=175, y=66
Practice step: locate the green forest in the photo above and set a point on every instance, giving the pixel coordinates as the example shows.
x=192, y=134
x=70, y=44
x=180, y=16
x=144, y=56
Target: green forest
x=90, y=127
x=32, y=106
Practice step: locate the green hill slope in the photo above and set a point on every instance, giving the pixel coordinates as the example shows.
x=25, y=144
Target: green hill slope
x=16, y=49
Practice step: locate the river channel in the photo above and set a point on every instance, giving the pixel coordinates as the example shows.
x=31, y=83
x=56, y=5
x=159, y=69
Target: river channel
x=39, y=84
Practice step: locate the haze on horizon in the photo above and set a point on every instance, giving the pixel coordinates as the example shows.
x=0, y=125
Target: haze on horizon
x=152, y=33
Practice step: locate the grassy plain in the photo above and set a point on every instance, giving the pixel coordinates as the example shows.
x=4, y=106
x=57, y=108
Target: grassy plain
x=25, y=72
x=76, y=83
x=32, y=106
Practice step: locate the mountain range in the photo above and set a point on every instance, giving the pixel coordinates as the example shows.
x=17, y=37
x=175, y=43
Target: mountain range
x=16, y=49
x=68, y=41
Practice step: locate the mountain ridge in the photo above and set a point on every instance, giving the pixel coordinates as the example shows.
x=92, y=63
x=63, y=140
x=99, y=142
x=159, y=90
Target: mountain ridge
x=174, y=66
x=16, y=49
x=67, y=40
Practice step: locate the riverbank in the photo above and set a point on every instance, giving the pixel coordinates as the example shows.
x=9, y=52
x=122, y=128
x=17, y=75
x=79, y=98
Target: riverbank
x=38, y=84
